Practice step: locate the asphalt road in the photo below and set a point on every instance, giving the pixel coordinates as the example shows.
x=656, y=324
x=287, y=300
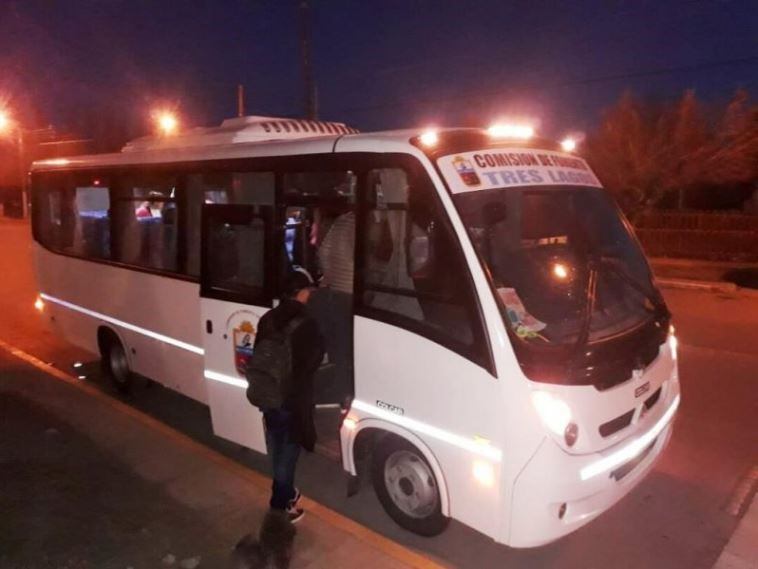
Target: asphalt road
x=677, y=517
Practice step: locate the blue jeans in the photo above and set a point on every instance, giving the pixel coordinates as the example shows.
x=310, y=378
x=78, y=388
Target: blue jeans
x=284, y=453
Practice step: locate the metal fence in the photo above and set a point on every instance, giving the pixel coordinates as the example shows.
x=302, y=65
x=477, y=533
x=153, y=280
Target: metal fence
x=697, y=244
x=700, y=220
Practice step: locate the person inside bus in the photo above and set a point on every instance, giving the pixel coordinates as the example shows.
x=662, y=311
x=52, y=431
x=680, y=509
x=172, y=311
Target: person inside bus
x=143, y=210
x=332, y=303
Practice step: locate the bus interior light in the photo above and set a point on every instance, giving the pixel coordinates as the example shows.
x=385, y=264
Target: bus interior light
x=560, y=271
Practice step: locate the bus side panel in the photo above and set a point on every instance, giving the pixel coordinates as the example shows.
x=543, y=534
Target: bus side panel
x=450, y=403
x=138, y=306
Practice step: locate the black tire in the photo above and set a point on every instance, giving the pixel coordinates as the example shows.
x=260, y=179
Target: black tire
x=406, y=486
x=115, y=364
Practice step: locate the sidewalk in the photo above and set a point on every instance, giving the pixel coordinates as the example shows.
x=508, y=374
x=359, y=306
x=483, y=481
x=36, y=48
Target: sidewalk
x=717, y=275
x=223, y=499
x=742, y=550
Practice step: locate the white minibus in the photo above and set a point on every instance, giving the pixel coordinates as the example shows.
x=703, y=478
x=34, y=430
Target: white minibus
x=497, y=351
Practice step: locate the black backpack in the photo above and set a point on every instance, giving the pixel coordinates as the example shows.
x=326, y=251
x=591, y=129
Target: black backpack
x=269, y=369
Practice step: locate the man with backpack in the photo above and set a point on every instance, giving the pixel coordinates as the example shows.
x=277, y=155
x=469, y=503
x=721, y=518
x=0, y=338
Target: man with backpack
x=287, y=352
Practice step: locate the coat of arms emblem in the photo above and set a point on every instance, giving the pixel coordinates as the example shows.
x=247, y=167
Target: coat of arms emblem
x=244, y=337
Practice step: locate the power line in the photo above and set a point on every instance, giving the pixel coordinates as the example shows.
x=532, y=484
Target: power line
x=406, y=102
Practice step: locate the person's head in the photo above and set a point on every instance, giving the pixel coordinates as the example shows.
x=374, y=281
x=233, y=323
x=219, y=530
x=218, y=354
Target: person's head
x=299, y=285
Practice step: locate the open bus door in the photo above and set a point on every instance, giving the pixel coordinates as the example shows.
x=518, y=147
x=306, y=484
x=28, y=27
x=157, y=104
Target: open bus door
x=236, y=290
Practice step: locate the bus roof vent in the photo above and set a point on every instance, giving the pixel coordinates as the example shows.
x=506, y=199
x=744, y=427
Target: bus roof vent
x=241, y=129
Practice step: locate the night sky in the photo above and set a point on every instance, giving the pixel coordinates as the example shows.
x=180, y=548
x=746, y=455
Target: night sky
x=378, y=64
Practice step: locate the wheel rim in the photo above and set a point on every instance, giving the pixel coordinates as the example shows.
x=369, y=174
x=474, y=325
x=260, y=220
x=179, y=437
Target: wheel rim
x=411, y=484
x=118, y=364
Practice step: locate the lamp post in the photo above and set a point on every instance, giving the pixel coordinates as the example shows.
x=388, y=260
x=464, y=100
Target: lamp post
x=10, y=127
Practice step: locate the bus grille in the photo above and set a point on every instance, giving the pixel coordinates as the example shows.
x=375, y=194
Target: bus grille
x=615, y=425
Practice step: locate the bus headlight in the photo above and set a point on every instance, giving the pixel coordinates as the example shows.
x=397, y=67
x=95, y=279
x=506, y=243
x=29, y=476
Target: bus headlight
x=554, y=412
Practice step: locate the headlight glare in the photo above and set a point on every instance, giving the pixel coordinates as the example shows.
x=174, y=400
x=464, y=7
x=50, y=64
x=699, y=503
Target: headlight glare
x=554, y=412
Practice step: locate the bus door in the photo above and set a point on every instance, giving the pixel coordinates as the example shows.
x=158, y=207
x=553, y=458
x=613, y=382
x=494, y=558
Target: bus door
x=236, y=290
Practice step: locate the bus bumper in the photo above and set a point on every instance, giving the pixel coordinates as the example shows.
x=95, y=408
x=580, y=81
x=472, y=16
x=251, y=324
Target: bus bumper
x=558, y=493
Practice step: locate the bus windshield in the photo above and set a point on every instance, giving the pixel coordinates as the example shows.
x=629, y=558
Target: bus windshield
x=562, y=262
x=573, y=286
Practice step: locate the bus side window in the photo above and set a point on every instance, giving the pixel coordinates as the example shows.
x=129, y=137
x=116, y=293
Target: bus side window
x=413, y=274
x=145, y=221
x=319, y=225
x=72, y=214
x=249, y=188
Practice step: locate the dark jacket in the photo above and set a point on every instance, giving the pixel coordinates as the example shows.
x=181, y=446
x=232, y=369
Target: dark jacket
x=307, y=353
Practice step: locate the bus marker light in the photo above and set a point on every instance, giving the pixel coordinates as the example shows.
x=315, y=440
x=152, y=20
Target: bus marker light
x=429, y=138
x=349, y=423
x=39, y=304
x=673, y=344
x=77, y=364
x=510, y=131
x=568, y=144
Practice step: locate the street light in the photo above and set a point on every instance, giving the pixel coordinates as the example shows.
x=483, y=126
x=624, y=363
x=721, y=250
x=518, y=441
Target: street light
x=167, y=122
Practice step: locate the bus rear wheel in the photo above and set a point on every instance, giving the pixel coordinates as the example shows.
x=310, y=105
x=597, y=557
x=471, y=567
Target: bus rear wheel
x=115, y=363
x=407, y=488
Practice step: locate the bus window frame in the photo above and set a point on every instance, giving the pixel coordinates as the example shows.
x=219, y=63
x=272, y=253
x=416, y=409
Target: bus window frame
x=263, y=297
x=480, y=351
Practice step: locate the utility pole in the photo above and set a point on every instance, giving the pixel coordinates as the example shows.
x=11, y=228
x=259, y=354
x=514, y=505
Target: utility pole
x=240, y=101
x=304, y=13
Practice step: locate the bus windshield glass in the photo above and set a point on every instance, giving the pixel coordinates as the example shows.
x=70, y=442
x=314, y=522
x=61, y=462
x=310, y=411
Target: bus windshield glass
x=562, y=261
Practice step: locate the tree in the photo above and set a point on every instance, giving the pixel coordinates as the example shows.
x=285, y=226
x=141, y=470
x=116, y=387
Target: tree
x=733, y=156
x=620, y=152
x=684, y=136
x=651, y=155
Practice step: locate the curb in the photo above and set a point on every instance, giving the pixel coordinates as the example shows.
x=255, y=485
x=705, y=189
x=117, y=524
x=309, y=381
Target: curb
x=363, y=534
x=687, y=284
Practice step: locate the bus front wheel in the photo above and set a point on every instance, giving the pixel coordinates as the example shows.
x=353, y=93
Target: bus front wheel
x=407, y=488
x=115, y=363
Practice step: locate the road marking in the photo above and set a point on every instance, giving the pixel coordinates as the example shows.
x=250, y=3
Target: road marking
x=360, y=532
x=743, y=493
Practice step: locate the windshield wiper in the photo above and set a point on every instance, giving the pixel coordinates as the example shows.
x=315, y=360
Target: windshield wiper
x=589, y=308
x=597, y=263
x=612, y=264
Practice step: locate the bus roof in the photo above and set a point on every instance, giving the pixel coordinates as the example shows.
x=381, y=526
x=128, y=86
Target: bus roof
x=255, y=136
x=229, y=140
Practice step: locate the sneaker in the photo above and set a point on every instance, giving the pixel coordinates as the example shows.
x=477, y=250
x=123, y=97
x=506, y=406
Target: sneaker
x=293, y=503
x=294, y=514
